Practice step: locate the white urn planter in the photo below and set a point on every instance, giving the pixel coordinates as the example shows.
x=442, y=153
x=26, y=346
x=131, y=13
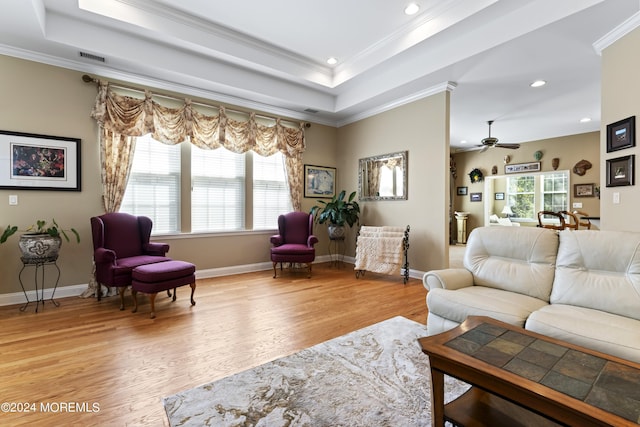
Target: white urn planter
x=336, y=232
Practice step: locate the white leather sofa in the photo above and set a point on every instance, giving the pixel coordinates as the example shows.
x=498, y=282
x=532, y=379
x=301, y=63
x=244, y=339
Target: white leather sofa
x=579, y=286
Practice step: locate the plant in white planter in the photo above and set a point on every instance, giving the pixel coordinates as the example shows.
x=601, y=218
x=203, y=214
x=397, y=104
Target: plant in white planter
x=41, y=241
x=337, y=212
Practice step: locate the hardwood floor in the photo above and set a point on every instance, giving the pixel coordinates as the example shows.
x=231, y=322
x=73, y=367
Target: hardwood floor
x=88, y=352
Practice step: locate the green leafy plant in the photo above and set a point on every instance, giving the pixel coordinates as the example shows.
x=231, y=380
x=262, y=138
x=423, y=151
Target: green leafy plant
x=337, y=211
x=41, y=227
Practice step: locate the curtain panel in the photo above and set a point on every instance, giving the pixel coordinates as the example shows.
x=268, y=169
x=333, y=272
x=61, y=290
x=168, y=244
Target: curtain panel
x=123, y=118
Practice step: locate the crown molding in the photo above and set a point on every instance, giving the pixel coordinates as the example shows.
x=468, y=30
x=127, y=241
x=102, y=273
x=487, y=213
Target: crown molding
x=442, y=87
x=617, y=33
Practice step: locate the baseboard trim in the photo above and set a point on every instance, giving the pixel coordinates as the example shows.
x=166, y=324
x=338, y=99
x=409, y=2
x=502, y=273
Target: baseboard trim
x=77, y=290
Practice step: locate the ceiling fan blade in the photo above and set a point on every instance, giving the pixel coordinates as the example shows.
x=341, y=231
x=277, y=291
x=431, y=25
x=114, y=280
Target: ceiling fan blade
x=511, y=146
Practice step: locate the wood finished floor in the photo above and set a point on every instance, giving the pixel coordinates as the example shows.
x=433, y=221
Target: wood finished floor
x=89, y=352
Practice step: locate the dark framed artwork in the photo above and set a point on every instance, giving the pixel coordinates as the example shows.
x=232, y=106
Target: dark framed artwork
x=621, y=134
x=584, y=190
x=476, y=197
x=319, y=181
x=620, y=171
x=30, y=161
x=461, y=191
x=499, y=196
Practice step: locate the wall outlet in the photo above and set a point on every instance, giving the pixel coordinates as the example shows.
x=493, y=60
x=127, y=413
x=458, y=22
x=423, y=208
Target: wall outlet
x=577, y=205
x=616, y=198
x=13, y=199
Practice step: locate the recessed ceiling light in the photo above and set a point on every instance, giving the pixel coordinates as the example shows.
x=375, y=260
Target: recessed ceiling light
x=332, y=61
x=411, y=9
x=585, y=120
x=538, y=83
x=464, y=141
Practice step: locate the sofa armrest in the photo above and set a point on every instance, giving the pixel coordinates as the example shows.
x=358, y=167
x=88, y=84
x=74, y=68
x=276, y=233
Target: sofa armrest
x=104, y=256
x=156, y=248
x=449, y=278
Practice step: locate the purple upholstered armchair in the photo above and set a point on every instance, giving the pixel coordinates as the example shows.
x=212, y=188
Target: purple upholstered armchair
x=120, y=244
x=294, y=243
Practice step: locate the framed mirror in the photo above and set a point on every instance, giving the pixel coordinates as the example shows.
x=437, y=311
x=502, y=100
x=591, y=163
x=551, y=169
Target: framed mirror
x=383, y=177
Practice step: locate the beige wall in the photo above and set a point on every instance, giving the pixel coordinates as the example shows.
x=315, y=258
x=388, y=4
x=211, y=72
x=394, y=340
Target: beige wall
x=48, y=100
x=620, y=95
x=421, y=128
x=570, y=150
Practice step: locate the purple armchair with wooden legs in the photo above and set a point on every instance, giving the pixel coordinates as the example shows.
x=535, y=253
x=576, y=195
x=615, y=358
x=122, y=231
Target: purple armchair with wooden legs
x=120, y=244
x=295, y=241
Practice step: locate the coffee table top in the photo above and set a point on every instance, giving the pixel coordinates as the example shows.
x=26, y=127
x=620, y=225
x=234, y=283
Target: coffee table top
x=599, y=380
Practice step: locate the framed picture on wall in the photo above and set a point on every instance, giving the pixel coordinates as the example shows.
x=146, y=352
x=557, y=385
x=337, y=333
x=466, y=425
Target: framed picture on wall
x=30, y=161
x=319, y=181
x=499, y=196
x=620, y=171
x=621, y=134
x=584, y=190
x=476, y=197
x=461, y=191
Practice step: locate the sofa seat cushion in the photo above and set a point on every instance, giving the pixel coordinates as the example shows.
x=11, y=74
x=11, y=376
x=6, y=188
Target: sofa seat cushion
x=598, y=330
x=509, y=307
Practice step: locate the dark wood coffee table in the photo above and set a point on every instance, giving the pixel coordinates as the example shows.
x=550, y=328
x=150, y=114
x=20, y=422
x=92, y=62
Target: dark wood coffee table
x=520, y=378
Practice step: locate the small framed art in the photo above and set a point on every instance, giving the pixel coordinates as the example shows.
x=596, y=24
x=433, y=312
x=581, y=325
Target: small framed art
x=584, y=190
x=476, y=197
x=620, y=171
x=461, y=191
x=621, y=134
x=319, y=181
x=499, y=196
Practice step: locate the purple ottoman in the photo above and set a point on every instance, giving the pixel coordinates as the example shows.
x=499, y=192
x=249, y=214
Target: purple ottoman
x=162, y=276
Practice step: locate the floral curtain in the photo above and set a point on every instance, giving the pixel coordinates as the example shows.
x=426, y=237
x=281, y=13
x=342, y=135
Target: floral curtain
x=123, y=118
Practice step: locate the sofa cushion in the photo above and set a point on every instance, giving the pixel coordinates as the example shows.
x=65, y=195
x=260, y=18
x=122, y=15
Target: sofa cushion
x=517, y=259
x=598, y=330
x=599, y=270
x=456, y=305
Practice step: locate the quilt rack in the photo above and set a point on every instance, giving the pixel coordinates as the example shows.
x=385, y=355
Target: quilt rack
x=383, y=250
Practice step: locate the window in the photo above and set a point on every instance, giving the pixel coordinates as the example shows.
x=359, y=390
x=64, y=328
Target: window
x=555, y=192
x=270, y=191
x=528, y=194
x=521, y=196
x=218, y=190
x=153, y=189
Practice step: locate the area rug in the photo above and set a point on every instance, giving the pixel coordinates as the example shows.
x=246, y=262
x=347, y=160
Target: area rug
x=375, y=376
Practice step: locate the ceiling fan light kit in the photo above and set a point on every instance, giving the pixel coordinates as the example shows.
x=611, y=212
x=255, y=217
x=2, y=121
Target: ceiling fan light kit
x=490, y=141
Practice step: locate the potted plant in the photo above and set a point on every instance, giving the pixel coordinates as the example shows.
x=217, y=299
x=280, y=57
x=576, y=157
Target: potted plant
x=41, y=242
x=337, y=212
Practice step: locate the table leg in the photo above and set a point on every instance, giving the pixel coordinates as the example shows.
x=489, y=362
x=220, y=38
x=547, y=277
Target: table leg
x=437, y=398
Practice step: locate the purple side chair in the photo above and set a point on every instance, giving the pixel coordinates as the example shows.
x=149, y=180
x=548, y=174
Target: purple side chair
x=120, y=244
x=294, y=243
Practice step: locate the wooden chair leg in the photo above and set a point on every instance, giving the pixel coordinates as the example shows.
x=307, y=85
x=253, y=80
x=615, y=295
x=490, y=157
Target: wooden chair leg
x=193, y=289
x=152, y=299
x=121, y=290
x=309, y=276
x=134, y=293
x=274, y=269
x=174, y=294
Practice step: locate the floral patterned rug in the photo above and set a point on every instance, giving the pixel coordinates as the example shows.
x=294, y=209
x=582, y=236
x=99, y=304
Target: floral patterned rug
x=375, y=376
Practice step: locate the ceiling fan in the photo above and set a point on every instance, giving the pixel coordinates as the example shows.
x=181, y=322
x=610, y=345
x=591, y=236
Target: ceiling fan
x=492, y=141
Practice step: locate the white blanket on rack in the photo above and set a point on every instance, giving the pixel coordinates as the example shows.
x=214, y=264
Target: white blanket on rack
x=381, y=253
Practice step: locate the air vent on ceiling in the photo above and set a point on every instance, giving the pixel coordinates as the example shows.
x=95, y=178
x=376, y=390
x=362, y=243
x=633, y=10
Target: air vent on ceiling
x=92, y=57
x=310, y=110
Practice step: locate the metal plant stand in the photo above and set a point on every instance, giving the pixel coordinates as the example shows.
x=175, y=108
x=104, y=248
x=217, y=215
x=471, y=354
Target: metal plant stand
x=39, y=264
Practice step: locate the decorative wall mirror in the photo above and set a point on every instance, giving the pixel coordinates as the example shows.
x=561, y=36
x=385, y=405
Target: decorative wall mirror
x=383, y=177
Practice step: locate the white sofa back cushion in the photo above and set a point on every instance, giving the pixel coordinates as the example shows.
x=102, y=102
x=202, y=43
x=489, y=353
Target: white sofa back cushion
x=599, y=270
x=516, y=259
